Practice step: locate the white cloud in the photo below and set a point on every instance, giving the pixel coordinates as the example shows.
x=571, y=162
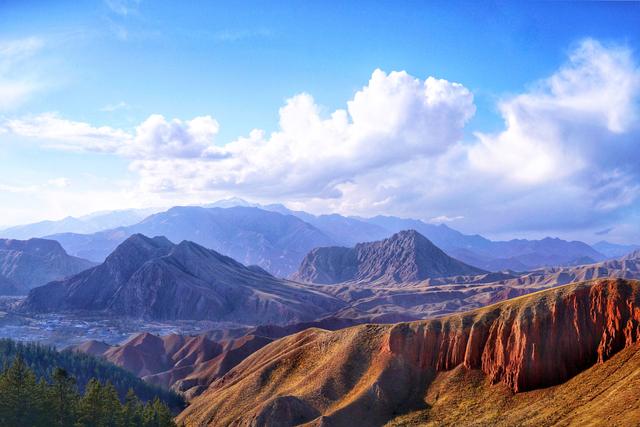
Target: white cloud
x=67, y=134
x=568, y=121
x=109, y=108
x=158, y=138
x=154, y=138
x=17, y=82
x=395, y=118
x=59, y=182
x=444, y=219
x=123, y=7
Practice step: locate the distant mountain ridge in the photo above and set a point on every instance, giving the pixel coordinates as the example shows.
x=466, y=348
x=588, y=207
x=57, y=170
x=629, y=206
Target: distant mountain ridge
x=406, y=256
x=250, y=235
x=91, y=223
x=156, y=279
x=614, y=250
x=25, y=264
x=277, y=238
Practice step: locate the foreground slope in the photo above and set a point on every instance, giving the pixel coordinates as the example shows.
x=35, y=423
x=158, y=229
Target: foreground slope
x=376, y=373
x=25, y=264
x=156, y=279
x=406, y=256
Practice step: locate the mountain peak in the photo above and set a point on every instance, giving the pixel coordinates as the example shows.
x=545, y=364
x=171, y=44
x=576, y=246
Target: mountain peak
x=407, y=256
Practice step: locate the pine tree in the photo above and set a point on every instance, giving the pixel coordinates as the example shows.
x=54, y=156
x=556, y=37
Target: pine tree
x=111, y=407
x=21, y=399
x=90, y=410
x=132, y=410
x=63, y=395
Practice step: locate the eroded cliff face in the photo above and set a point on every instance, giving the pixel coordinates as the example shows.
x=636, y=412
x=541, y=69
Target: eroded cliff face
x=530, y=342
x=373, y=373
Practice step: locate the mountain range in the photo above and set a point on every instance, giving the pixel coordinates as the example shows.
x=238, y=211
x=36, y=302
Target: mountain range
x=404, y=277
x=565, y=356
x=155, y=279
x=277, y=238
x=26, y=264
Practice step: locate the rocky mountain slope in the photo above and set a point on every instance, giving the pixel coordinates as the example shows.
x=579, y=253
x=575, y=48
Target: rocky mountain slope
x=379, y=374
x=155, y=279
x=250, y=235
x=25, y=264
x=406, y=256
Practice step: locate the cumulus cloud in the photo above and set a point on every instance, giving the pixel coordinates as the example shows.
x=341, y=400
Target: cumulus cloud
x=395, y=118
x=567, y=121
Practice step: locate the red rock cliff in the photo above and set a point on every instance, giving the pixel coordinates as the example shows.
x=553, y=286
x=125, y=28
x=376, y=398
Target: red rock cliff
x=529, y=342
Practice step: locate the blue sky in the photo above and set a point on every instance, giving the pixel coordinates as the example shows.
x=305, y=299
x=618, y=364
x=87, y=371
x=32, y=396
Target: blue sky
x=90, y=65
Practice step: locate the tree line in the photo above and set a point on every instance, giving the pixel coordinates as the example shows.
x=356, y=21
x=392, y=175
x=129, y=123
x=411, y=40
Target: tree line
x=42, y=360
x=26, y=400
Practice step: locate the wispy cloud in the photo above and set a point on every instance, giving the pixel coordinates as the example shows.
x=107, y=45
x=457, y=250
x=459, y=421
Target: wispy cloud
x=109, y=108
x=444, y=218
x=241, y=34
x=123, y=7
x=17, y=80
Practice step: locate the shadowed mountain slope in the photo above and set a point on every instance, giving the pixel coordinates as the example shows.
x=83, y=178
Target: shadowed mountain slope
x=155, y=279
x=404, y=257
x=25, y=264
x=377, y=373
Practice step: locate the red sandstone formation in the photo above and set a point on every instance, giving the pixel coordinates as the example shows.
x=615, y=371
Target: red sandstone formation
x=529, y=342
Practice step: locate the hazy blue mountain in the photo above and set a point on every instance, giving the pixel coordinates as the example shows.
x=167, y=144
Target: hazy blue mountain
x=441, y=235
x=155, y=279
x=343, y=230
x=613, y=250
x=25, y=264
x=273, y=241
x=86, y=224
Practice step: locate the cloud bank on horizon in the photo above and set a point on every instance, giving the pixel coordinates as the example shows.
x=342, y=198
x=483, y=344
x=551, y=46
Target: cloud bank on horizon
x=566, y=159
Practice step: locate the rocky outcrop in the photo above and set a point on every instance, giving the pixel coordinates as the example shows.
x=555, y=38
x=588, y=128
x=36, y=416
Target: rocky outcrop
x=531, y=342
x=404, y=257
x=372, y=373
x=25, y=264
x=155, y=279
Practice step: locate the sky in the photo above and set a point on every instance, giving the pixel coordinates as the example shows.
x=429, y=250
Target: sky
x=511, y=119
